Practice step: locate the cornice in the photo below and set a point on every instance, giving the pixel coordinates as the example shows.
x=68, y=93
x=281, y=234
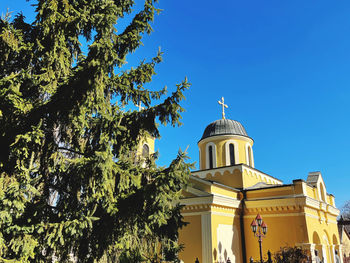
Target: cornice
x=195, y=191
x=291, y=203
x=213, y=199
x=321, y=206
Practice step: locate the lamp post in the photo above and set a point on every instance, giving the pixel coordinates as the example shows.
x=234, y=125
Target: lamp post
x=259, y=229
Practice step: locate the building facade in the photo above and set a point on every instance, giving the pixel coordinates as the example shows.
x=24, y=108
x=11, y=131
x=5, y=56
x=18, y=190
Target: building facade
x=227, y=193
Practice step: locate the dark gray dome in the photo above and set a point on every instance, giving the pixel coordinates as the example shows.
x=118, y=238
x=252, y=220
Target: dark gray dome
x=224, y=127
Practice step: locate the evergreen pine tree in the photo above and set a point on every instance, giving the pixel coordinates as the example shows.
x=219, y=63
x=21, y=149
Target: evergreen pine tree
x=69, y=183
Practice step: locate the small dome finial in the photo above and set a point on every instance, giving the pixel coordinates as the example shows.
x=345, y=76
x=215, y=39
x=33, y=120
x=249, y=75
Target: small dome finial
x=222, y=102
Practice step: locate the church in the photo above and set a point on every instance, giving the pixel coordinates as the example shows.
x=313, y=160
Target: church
x=228, y=192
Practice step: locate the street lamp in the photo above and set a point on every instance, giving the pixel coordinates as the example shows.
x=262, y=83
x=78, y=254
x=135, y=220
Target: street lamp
x=259, y=229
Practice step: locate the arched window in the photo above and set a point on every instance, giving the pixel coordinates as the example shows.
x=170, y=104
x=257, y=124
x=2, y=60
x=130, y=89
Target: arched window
x=232, y=154
x=323, y=194
x=250, y=163
x=210, y=156
x=145, y=151
x=211, y=162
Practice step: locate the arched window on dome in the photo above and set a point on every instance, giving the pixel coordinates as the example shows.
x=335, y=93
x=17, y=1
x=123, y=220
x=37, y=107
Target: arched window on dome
x=145, y=151
x=210, y=156
x=211, y=161
x=249, y=155
x=232, y=154
x=322, y=192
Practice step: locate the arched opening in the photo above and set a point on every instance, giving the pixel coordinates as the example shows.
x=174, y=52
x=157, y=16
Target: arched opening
x=335, y=247
x=211, y=159
x=335, y=240
x=316, y=239
x=327, y=248
x=145, y=151
x=318, y=247
x=232, y=154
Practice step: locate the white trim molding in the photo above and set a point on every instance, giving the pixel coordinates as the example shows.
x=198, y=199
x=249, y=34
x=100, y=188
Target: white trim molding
x=212, y=199
x=206, y=238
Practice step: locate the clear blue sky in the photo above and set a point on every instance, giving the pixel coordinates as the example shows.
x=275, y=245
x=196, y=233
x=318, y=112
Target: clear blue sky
x=283, y=68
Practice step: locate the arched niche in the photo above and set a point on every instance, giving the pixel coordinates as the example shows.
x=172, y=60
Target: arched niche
x=335, y=240
x=326, y=238
x=145, y=150
x=322, y=190
x=316, y=238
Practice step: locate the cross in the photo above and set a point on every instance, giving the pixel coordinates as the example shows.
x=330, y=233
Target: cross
x=139, y=106
x=223, y=106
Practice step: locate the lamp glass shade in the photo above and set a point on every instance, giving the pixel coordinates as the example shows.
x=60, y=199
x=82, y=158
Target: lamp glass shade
x=258, y=219
x=264, y=228
x=254, y=226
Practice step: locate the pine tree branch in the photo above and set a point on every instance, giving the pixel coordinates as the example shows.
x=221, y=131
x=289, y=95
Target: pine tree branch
x=71, y=150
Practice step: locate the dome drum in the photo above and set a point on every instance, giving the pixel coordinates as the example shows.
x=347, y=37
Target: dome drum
x=224, y=143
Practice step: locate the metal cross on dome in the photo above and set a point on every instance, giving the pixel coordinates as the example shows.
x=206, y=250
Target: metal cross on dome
x=222, y=102
x=139, y=106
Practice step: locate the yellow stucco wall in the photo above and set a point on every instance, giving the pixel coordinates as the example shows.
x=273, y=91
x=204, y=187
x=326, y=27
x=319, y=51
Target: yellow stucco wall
x=149, y=140
x=232, y=176
x=286, y=190
x=221, y=190
x=226, y=236
x=227, y=178
x=284, y=229
x=346, y=244
x=323, y=234
x=191, y=237
x=311, y=192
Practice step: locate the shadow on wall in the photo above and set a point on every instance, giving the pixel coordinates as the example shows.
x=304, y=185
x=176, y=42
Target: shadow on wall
x=228, y=244
x=220, y=256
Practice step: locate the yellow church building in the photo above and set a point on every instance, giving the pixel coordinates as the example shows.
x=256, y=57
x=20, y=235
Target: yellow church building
x=228, y=192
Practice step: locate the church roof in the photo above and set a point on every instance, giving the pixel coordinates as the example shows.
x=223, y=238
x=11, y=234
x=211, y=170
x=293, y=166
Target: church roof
x=224, y=127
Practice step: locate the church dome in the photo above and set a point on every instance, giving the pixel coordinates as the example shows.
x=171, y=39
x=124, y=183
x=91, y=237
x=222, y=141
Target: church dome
x=224, y=127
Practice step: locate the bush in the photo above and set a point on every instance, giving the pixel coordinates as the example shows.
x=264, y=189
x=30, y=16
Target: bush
x=291, y=255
